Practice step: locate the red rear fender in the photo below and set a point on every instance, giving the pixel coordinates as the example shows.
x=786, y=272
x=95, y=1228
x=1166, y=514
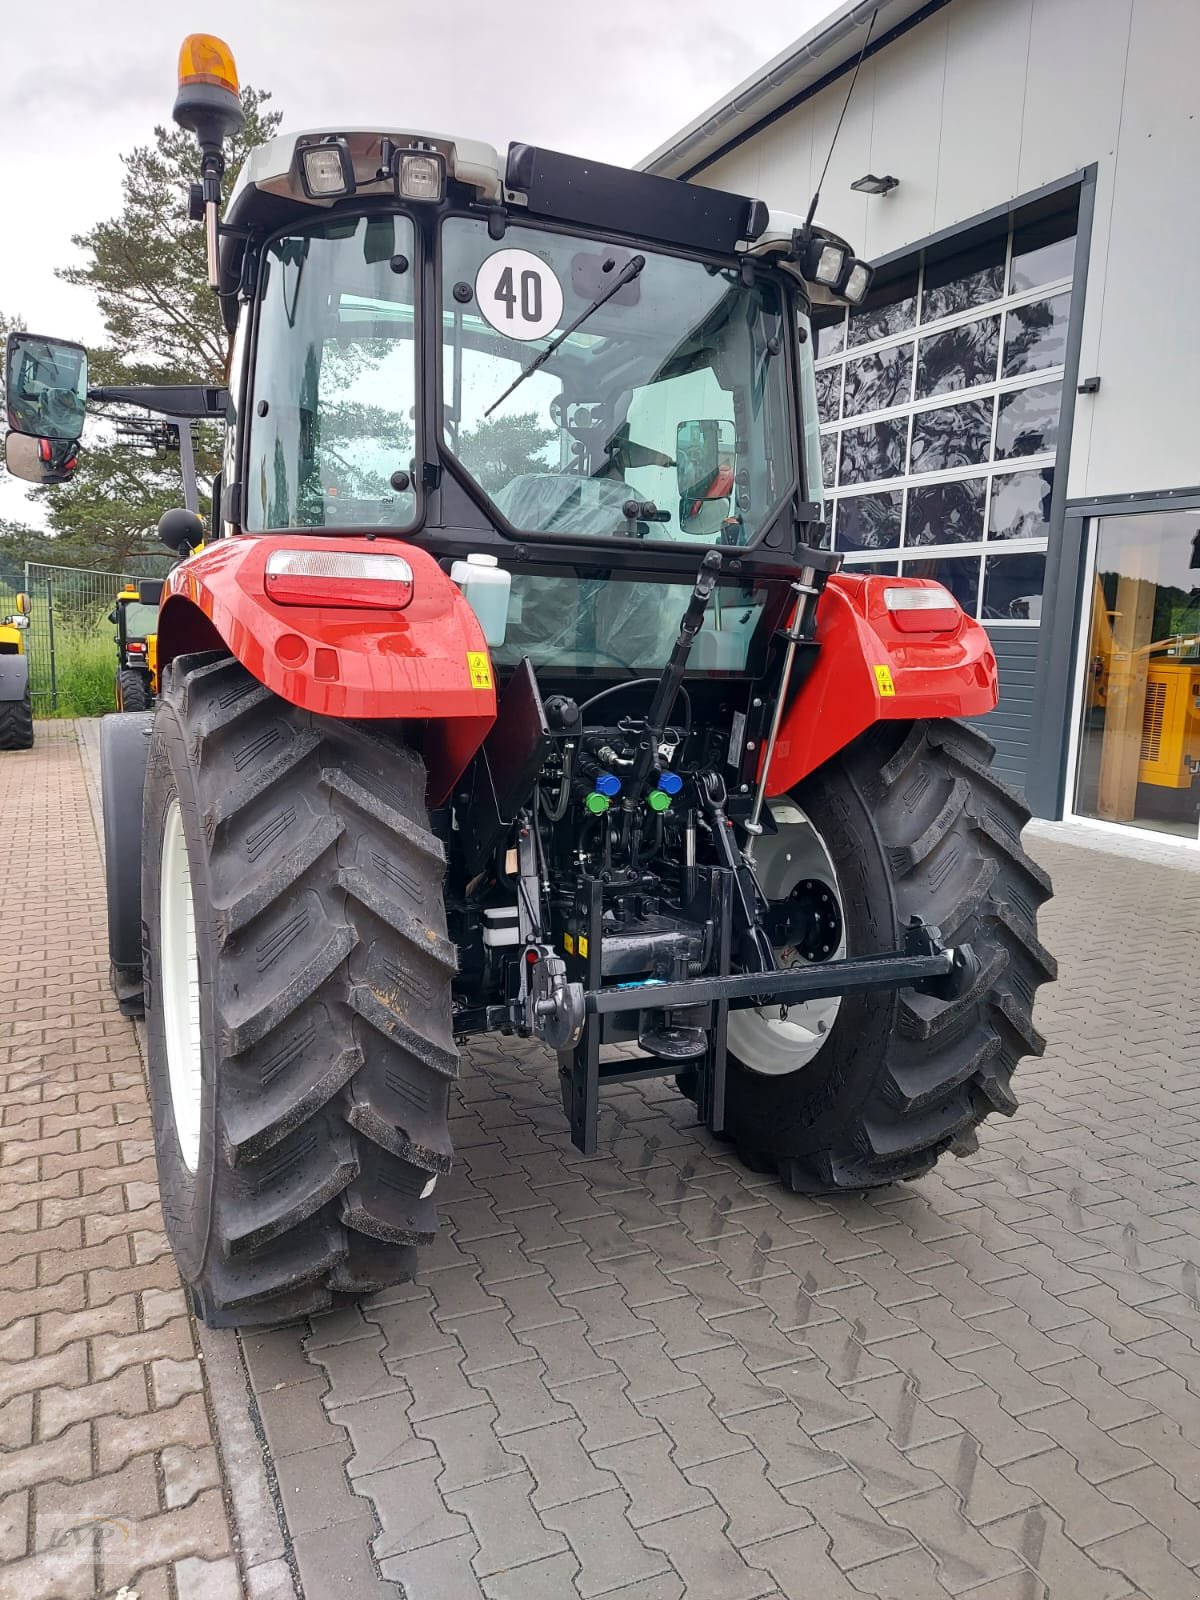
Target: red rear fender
x=427, y=662
x=867, y=670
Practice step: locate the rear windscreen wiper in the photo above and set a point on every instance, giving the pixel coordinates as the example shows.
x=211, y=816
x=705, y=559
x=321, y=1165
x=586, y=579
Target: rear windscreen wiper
x=626, y=275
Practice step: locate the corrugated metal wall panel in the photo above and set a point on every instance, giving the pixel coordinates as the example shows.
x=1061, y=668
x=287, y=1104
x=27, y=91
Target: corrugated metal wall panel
x=1010, y=726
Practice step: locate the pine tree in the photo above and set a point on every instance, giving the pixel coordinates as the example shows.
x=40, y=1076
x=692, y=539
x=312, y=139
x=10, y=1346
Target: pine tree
x=146, y=268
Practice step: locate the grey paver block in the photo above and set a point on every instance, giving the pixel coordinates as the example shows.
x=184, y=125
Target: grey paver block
x=313, y=1489
x=356, y=1371
x=531, y=1303
x=197, y=1579
x=886, y=1472
x=522, y=1397
x=337, y=1561
x=1038, y=1537
x=1142, y=1555
x=858, y=1532
x=910, y=1575
x=571, y=1268
x=295, y=1418
x=467, y=1447
x=964, y=1557
x=270, y=1580
x=1099, y=1455
x=732, y=1385
x=647, y=1370
x=502, y=1518
x=609, y=1551
x=655, y=1486
x=562, y=1469
x=565, y=1351
x=605, y=1411
x=755, y=1508
x=551, y=1578
x=436, y=1381
x=799, y=1563
x=381, y=1435
x=704, y=1558
x=411, y=1511
x=186, y=1470
x=1151, y=1491
x=409, y=1327
x=984, y=1494
x=696, y=1432
x=275, y=1356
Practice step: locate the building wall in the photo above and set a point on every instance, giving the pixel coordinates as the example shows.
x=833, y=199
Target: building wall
x=987, y=100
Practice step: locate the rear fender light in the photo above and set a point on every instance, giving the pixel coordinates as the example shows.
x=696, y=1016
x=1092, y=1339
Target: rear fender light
x=338, y=578
x=928, y=609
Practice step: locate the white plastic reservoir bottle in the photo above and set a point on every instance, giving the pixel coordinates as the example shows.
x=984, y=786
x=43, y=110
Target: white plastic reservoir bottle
x=486, y=586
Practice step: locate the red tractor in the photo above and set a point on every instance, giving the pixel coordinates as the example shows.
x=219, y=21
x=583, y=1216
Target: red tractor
x=516, y=690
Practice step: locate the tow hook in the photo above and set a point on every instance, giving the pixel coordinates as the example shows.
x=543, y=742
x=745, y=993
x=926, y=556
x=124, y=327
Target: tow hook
x=554, y=1008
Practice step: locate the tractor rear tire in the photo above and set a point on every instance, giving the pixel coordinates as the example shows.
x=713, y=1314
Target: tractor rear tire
x=133, y=690
x=915, y=824
x=16, y=723
x=301, y=1136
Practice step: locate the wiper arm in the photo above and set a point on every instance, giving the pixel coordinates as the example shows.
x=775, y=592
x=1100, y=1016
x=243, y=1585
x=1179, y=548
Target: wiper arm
x=626, y=275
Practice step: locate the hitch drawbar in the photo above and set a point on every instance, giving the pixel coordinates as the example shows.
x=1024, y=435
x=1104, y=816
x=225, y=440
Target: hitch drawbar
x=574, y=1020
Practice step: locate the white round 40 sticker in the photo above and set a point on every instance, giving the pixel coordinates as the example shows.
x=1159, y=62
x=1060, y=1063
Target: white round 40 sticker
x=518, y=294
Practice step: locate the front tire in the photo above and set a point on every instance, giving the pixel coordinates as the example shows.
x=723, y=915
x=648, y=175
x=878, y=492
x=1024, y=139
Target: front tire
x=16, y=723
x=133, y=690
x=914, y=824
x=300, y=1039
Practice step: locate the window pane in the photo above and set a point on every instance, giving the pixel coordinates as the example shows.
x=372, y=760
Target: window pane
x=869, y=521
x=1035, y=335
x=968, y=278
x=829, y=384
x=889, y=308
x=959, y=358
x=875, y=382
x=1012, y=587
x=945, y=513
x=829, y=325
x=1021, y=504
x=829, y=458
x=1042, y=252
x=960, y=574
x=952, y=436
x=876, y=451
x=1028, y=421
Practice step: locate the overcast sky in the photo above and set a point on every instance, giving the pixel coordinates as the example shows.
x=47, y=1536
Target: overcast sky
x=88, y=80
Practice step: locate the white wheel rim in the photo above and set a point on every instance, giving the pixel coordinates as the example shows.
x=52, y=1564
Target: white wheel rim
x=759, y=1039
x=180, y=986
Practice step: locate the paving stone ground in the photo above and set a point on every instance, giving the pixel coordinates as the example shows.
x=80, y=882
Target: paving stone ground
x=652, y=1373
x=109, y=1479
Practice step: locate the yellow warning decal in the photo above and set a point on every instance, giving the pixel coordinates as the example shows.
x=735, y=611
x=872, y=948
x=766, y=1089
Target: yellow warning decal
x=883, y=677
x=569, y=943
x=480, y=669
x=583, y=945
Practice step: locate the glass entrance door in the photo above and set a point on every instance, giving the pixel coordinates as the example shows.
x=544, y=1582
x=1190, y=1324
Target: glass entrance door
x=1139, y=738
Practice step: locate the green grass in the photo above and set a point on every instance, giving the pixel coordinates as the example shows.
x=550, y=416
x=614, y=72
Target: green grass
x=84, y=666
x=85, y=659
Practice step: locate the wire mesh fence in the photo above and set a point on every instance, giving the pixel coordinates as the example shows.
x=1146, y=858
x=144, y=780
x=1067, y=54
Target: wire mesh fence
x=71, y=642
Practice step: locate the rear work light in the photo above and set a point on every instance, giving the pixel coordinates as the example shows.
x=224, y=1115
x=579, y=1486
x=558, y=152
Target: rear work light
x=924, y=610
x=338, y=578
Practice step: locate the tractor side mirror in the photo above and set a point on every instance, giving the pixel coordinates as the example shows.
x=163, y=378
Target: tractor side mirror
x=704, y=470
x=181, y=531
x=45, y=388
x=40, y=460
x=150, y=591
x=24, y=604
